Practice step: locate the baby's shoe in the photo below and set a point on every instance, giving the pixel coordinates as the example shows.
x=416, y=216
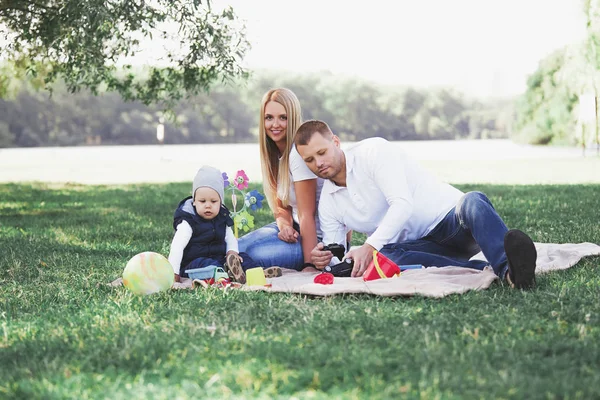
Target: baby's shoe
x=273, y=272
x=234, y=268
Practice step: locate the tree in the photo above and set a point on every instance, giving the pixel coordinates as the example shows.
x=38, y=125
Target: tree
x=83, y=42
x=547, y=112
x=6, y=136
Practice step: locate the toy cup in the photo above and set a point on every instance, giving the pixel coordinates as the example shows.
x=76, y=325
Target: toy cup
x=255, y=277
x=380, y=268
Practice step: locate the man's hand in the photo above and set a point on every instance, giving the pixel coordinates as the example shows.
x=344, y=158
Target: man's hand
x=320, y=258
x=288, y=234
x=362, y=257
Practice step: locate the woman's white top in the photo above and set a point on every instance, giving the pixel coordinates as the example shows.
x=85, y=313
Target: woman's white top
x=299, y=171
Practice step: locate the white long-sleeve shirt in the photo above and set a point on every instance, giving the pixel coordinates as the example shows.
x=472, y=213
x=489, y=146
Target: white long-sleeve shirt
x=387, y=196
x=182, y=237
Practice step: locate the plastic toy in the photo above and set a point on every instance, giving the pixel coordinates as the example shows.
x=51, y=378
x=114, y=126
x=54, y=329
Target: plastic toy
x=410, y=266
x=147, y=273
x=324, y=278
x=252, y=201
x=213, y=272
x=256, y=277
x=381, y=268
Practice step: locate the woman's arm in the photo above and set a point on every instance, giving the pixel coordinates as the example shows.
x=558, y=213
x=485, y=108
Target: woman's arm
x=285, y=223
x=306, y=199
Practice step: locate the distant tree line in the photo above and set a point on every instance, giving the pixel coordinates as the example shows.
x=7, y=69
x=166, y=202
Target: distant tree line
x=549, y=110
x=353, y=108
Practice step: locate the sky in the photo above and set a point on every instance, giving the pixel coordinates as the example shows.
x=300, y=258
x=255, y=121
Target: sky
x=485, y=48
x=480, y=47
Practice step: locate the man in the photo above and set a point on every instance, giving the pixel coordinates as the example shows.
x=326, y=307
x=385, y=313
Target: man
x=408, y=214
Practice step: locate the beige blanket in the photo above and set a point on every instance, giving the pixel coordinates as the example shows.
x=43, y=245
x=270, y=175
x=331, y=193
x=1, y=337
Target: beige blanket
x=429, y=282
x=434, y=282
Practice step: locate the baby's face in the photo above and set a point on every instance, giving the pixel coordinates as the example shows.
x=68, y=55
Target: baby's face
x=207, y=202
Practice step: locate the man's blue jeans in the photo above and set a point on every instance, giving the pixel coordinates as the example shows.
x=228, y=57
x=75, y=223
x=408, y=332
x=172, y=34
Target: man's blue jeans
x=472, y=226
x=268, y=250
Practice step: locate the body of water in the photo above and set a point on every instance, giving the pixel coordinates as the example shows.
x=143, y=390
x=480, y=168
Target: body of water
x=494, y=161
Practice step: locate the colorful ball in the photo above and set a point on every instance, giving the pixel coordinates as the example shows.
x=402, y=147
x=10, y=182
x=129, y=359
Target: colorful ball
x=148, y=273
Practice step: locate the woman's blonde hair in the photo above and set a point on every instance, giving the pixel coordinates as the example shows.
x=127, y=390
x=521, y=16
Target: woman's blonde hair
x=272, y=167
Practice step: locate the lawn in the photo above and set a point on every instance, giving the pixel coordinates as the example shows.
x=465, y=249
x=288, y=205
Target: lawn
x=65, y=334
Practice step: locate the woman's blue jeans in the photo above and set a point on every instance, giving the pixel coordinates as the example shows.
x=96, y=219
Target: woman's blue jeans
x=268, y=250
x=472, y=226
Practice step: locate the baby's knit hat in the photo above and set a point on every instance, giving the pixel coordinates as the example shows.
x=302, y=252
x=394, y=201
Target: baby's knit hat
x=211, y=177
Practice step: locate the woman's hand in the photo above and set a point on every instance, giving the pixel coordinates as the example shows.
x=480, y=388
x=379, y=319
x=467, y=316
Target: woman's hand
x=288, y=234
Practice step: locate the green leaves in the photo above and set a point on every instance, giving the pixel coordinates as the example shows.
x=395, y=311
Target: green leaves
x=548, y=111
x=83, y=42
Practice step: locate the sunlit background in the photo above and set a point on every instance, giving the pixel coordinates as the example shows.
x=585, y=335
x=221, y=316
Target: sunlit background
x=481, y=47
x=514, y=72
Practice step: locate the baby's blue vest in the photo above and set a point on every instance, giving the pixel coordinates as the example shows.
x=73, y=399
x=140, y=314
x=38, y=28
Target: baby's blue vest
x=208, y=236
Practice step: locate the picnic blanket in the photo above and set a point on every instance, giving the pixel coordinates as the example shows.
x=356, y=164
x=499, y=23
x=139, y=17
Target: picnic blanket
x=428, y=282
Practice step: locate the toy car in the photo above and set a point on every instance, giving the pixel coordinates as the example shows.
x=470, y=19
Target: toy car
x=209, y=272
x=220, y=274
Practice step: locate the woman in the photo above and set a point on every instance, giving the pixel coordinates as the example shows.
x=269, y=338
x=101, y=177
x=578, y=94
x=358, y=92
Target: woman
x=291, y=189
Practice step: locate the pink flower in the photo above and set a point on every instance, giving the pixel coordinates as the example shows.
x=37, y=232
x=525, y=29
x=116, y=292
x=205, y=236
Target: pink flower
x=241, y=180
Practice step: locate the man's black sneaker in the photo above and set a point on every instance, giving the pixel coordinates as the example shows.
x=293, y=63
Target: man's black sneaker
x=521, y=256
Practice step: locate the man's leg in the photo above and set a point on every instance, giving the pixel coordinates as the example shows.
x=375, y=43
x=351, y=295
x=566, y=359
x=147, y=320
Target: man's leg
x=429, y=254
x=473, y=225
x=448, y=244
x=507, y=251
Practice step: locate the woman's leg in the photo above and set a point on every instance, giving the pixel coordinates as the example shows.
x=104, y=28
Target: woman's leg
x=267, y=250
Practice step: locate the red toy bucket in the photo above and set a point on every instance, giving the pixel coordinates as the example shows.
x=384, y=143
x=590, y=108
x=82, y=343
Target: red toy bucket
x=380, y=268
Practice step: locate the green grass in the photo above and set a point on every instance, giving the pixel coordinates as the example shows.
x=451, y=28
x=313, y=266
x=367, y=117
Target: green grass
x=64, y=334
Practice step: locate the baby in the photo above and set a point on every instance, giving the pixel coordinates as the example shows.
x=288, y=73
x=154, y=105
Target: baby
x=203, y=234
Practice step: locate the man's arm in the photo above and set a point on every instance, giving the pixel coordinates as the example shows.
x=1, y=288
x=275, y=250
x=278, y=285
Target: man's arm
x=389, y=176
x=384, y=167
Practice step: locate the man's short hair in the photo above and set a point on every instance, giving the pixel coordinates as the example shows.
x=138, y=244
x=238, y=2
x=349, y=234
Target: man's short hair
x=306, y=131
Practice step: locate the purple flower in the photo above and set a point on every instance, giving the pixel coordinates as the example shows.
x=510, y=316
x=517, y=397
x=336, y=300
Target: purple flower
x=225, y=179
